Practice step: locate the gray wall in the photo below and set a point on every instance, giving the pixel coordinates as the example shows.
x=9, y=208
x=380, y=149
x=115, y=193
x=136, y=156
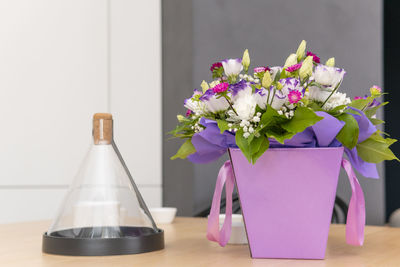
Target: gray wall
x=349, y=30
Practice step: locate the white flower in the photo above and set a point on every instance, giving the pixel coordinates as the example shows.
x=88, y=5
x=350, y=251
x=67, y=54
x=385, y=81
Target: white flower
x=232, y=67
x=261, y=96
x=193, y=103
x=251, y=129
x=256, y=119
x=240, y=89
x=246, y=135
x=245, y=107
x=212, y=103
x=329, y=77
x=317, y=94
x=337, y=99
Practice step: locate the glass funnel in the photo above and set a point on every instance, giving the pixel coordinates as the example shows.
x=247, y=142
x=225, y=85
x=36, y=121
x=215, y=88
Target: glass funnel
x=103, y=212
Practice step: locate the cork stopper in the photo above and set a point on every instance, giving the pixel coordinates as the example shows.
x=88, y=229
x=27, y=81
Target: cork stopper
x=102, y=128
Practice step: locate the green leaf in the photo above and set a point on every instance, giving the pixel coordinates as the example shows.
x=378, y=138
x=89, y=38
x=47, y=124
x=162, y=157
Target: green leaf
x=390, y=141
x=243, y=144
x=376, y=121
x=375, y=149
x=268, y=118
x=336, y=109
x=348, y=136
x=185, y=150
x=369, y=112
x=279, y=134
x=303, y=117
x=223, y=125
x=314, y=106
x=264, y=145
x=360, y=103
x=277, y=76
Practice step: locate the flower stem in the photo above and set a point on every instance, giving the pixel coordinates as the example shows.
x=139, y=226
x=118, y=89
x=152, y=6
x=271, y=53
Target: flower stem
x=334, y=90
x=273, y=96
x=230, y=104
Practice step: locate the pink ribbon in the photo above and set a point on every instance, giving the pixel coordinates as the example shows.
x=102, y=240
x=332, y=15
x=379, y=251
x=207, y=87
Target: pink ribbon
x=355, y=216
x=225, y=176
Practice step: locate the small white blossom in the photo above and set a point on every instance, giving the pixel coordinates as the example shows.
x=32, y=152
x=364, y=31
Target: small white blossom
x=257, y=135
x=256, y=119
x=291, y=113
x=280, y=112
x=251, y=129
x=235, y=130
x=230, y=125
x=246, y=135
x=258, y=114
x=287, y=115
x=245, y=129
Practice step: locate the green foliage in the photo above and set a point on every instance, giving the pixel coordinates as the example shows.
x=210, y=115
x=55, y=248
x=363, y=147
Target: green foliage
x=376, y=149
x=185, y=150
x=243, y=144
x=360, y=103
x=303, y=117
x=372, y=111
x=376, y=121
x=253, y=147
x=223, y=125
x=348, y=136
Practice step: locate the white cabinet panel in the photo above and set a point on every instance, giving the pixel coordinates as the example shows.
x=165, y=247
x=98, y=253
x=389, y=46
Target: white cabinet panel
x=136, y=85
x=53, y=77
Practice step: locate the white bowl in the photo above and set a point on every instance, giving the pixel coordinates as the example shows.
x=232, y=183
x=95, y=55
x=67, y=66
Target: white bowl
x=238, y=234
x=163, y=215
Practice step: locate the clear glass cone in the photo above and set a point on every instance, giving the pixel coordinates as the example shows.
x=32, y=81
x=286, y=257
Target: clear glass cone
x=103, y=201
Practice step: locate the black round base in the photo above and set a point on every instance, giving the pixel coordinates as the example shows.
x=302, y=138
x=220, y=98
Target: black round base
x=96, y=241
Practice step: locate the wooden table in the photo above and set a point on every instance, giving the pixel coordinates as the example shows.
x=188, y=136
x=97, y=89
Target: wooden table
x=186, y=245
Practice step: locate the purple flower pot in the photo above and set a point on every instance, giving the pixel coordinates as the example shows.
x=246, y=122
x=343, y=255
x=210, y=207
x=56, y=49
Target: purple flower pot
x=287, y=200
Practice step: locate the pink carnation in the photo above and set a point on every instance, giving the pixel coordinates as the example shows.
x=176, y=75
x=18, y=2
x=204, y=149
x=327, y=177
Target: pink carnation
x=220, y=88
x=188, y=113
x=293, y=67
x=316, y=59
x=216, y=65
x=358, y=97
x=294, y=96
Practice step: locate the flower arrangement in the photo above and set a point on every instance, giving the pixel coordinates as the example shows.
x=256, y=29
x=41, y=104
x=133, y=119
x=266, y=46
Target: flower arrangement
x=294, y=105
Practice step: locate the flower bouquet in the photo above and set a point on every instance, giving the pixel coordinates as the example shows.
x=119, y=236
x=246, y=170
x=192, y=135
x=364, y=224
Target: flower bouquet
x=285, y=129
